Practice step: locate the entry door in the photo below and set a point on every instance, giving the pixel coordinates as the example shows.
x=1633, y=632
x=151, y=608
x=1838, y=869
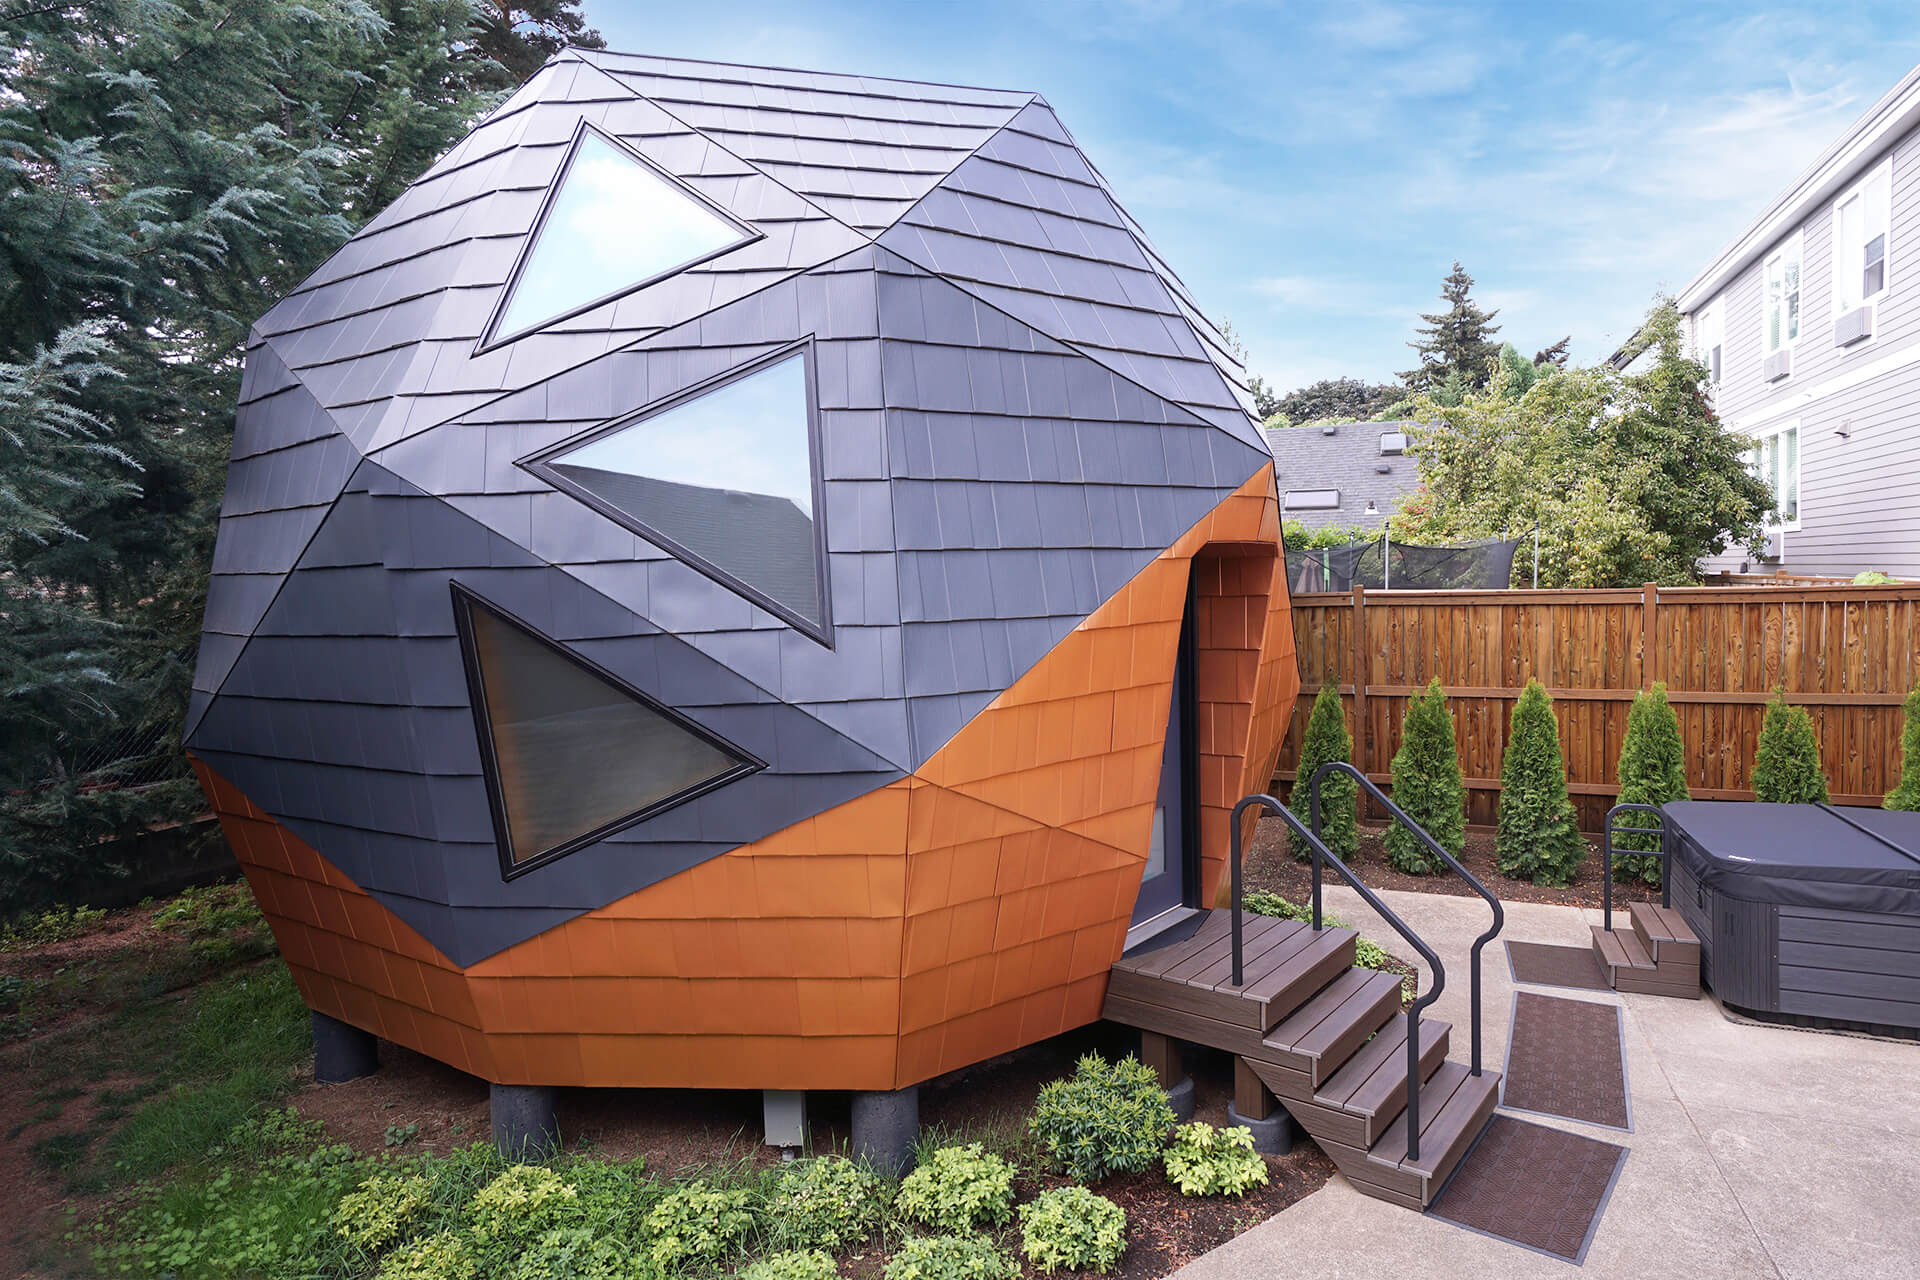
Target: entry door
x=1173, y=854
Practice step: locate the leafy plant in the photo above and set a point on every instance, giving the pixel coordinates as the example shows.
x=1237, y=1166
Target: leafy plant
x=523, y=1202
x=1205, y=1161
x=381, y=1211
x=442, y=1256
x=1906, y=792
x=1786, y=766
x=1105, y=1118
x=1072, y=1228
x=1652, y=770
x=55, y=924
x=825, y=1203
x=399, y=1135
x=1427, y=784
x=574, y=1253
x=699, y=1225
x=1326, y=740
x=950, y=1258
x=794, y=1264
x=1539, y=837
x=956, y=1189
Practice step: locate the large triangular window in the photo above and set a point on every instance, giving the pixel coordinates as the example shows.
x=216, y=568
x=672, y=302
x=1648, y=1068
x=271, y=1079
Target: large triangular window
x=725, y=476
x=611, y=223
x=572, y=753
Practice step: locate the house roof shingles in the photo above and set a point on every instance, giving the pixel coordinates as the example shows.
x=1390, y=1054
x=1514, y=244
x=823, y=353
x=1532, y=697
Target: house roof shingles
x=1348, y=460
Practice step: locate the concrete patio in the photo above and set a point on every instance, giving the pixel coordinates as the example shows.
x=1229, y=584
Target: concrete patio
x=1756, y=1151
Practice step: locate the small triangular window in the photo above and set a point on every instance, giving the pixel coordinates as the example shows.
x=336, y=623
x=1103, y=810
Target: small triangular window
x=572, y=753
x=611, y=223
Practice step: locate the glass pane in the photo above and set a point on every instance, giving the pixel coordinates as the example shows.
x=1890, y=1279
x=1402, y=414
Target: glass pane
x=1793, y=298
x=1847, y=237
x=613, y=223
x=727, y=476
x=1874, y=274
x=1790, y=474
x=1773, y=306
x=573, y=752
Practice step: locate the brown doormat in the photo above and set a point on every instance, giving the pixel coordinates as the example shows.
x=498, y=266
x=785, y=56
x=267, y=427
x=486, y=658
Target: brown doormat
x=1564, y=1058
x=1540, y=1188
x=1541, y=964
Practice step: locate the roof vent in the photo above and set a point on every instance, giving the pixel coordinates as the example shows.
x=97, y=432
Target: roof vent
x=1384, y=468
x=1330, y=430
x=1392, y=442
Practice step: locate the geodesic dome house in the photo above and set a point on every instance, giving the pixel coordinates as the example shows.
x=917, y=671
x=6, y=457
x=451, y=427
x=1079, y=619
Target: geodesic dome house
x=738, y=578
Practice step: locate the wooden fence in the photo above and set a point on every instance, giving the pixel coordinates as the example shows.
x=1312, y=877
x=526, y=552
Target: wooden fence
x=1848, y=654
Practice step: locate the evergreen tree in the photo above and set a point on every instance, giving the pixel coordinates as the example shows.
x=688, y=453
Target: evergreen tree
x=1326, y=740
x=1427, y=784
x=1906, y=793
x=1786, y=765
x=1539, y=836
x=1459, y=339
x=1652, y=770
x=1555, y=355
x=518, y=38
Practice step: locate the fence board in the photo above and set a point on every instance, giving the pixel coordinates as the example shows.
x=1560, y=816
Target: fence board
x=1848, y=654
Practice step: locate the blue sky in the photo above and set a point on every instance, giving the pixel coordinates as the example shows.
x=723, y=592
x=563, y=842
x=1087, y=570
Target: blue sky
x=1313, y=170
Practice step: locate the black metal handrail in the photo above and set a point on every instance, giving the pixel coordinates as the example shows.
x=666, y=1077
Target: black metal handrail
x=1606, y=856
x=1372, y=899
x=1433, y=847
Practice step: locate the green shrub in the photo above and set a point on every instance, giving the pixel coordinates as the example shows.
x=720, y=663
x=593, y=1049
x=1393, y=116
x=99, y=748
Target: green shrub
x=1652, y=770
x=1105, y=1118
x=444, y=1256
x=827, y=1203
x=1205, y=1161
x=1539, y=837
x=1072, y=1228
x=1786, y=765
x=699, y=1225
x=523, y=1202
x=1427, y=784
x=794, y=1264
x=55, y=924
x=381, y=1211
x=1906, y=793
x=958, y=1188
x=951, y=1258
x=1326, y=740
x=575, y=1253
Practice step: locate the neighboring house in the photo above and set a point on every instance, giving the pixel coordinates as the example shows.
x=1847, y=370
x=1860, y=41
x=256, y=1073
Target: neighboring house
x=1809, y=324
x=1345, y=475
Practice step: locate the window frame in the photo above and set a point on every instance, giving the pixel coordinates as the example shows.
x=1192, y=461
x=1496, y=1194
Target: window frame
x=465, y=599
x=491, y=340
x=1709, y=322
x=1288, y=504
x=539, y=464
x=1769, y=435
x=1858, y=191
x=1794, y=248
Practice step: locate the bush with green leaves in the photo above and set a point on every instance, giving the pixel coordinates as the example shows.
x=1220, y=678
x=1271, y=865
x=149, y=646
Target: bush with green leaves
x=381, y=1211
x=1326, y=740
x=577, y=1253
x=951, y=1258
x=1107, y=1117
x=1427, y=784
x=55, y=924
x=525, y=1201
x=1205, y=1161
x=1786, y=766
x=956, y=1189
x=825, y=1203
x=699, y=1225
x=1906, y=792
x=793, y=1264
x=1652, y=770
x=1539, y=836
x=441, y=1256
x=1073, y=1229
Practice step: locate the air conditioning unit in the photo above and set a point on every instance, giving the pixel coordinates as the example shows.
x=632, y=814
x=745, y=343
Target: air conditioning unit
x=1778, y=365
x=1775, y=549
x=1853, y=326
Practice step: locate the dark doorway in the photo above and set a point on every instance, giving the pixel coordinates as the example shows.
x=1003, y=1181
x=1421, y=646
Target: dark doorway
x=1172, y=875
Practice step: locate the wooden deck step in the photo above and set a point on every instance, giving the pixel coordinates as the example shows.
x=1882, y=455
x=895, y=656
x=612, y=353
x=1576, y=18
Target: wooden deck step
x=1630, y=966
x=1372, y=1086
x=1283, y=963
x=1454, y=1107
x=1664, y=934
x=1324, y=1032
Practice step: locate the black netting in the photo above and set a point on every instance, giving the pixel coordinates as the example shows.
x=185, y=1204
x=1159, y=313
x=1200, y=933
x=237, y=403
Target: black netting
x=1473, y=566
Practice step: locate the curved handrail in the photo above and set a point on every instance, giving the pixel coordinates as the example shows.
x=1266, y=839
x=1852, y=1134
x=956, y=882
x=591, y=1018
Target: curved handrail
x=1433, y=847
x=1606, y=855
x=1320, y=851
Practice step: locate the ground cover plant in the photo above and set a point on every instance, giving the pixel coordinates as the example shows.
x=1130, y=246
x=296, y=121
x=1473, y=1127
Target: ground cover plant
x=1074, y=1229
x=1205, y=1161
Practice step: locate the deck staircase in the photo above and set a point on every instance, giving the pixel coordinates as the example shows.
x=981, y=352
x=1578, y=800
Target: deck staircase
x=1658, y=956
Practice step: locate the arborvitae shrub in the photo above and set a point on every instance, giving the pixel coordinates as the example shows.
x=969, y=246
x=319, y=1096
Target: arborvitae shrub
x=1906, y=795
x=1786, y=765
x=1539, y=838
x=1427, y=784
x=1652, y=770
x=1326, y=740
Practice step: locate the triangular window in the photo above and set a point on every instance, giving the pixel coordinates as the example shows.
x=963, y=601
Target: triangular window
x=725, y=477
x=572, y=753
x=611, y=223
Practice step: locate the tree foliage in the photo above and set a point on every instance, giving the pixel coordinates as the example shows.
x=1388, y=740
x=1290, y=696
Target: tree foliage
x=1335, y=399
x=1427, y=784
x=1786, y=763
x=1652, y=770
x=1630, y=478
x=517, y=38
x=1906, y=792
x=1457, y=340
x=1326, y=740
x=1539, y=836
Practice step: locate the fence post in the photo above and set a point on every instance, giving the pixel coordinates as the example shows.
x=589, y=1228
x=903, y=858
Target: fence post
x=1357, y=675
x=1649, y=642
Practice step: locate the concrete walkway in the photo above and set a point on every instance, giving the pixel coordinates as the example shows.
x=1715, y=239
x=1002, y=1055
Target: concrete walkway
x=1756, y=1151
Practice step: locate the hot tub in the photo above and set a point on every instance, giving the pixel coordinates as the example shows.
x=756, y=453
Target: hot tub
x=1806, y=913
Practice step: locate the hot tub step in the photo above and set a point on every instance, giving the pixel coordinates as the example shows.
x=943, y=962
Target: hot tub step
x=1629, y=964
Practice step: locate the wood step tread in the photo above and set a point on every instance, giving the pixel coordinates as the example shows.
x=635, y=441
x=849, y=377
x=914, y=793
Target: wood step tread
x=1371, y=1000
x=1621, y=949
x=1454, y=1106
x=1374, y=1080
x=1319, y=949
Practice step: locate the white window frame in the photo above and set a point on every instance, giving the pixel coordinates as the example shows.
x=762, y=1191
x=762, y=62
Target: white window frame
x=1709, y=332
x=1311, y=500
x=1792, y=249
x=1766, y=444
x=1849, y=261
